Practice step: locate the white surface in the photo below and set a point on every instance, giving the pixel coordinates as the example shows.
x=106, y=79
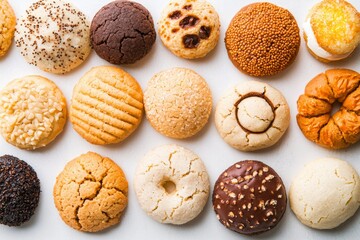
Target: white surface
x=286, y=157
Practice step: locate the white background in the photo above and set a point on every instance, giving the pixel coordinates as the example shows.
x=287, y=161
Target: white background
x=287, y=157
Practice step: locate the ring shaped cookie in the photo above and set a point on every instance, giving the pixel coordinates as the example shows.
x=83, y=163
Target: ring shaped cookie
x=251, y=116
x=171, y=184
x=314, y=117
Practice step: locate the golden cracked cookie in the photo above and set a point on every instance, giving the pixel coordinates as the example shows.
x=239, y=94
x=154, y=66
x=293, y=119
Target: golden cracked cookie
x=172, y=184
x=106, y=106
x=91, y=193
x=251, y=116
x=325, y=193
x=177, y=102
x=332, y=30
x=54, y=36
x=262, y=39
x=189, y=28
x=317, y=123
x=32, y=112
x=7, y=26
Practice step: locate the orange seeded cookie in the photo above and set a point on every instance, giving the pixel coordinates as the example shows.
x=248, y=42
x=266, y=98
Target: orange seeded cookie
x=332, y=30
x=262, y=39
x=91, y=193
x=106, y=106
x=7, y=26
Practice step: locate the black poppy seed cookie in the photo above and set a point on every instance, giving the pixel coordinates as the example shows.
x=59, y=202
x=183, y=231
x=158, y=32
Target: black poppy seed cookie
x=249, y=197
x=122, y=32
x=19, y=191
x=53, y=35
x=189, y=28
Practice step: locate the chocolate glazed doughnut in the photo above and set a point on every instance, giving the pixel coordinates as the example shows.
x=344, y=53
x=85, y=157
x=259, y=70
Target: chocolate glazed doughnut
x=251, y=116
x=314, y=117
x=249, y=197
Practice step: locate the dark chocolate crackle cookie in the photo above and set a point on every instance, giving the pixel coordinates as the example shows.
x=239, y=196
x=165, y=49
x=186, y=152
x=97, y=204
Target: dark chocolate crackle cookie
x=249, y=197
x=19, y=191
x=122, y=32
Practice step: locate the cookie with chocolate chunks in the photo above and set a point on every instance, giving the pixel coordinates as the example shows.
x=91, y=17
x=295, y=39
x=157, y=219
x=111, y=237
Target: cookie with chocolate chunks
x=249, y=197
x=189, y=28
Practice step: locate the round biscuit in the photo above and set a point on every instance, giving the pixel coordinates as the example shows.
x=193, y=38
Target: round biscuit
x=177, y=102
x=106, y=106
x=32, y=112
x=189, y=28
x=7, y=26
x=251, y=116
x=171, y=184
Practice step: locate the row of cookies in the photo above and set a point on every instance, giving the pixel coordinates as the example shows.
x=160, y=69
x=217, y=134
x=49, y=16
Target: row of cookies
x=262, y=39
x=107, y=106
x=172, y=186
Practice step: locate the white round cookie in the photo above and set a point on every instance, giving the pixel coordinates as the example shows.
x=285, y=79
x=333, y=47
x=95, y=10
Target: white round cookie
x=54, y=36
x=325, y=193
x=251, y=116
x=171, y=184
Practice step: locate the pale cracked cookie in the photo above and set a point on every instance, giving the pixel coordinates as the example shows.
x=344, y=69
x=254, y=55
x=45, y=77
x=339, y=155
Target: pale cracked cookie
x=189, y=28
x=178, y=102
x=7, y=26
x=106, y=106
x=54, y=36
x=251, y=116
x=171, y=184
x=325, y=193
x=91, y=193
x=32, y=112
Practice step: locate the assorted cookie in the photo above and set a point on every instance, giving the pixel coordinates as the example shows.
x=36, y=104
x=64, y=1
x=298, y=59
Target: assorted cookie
x=332, y=30
x=252, y=116
x=262, y=39
x=7, y=26
x=106, y=105
x=325, y=193
x=189, y=29
x=178, y=102
x=122, y=32
x=315, y=118
x=249, y=197
x=19, y=191
x=32, y=112
x=54, y=36
x=91, y=193
x=171, y=184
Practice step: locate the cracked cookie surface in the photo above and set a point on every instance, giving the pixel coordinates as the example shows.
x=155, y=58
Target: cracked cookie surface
x=171, y=184
x=178, y=102
x=7, y=26
x=315, y=119
x=325, y=193
x=91, y=193
x=189, y=28
x=251, y=116
x=54, y=36
x=122, y=32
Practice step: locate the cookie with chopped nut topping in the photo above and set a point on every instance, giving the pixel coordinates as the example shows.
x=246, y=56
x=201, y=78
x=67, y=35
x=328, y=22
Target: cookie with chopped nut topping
x=91, y=193
x=32, y=112
x=53, y=35
x=189, y=28
x=249, y=197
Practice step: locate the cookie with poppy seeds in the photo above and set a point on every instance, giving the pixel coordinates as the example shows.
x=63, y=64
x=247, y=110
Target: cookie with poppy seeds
x=249, y=197
x=262, y=39
x=19, y=191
